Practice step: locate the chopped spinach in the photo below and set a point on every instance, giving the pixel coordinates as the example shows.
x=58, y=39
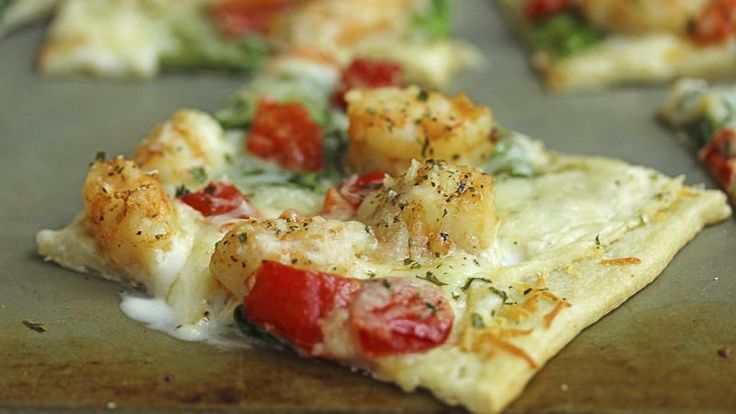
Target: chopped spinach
x=436, y=21
x=564, y=35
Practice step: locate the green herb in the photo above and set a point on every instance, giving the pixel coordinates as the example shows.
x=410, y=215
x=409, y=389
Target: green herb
x=243, y=237
x=504, y=297
x=431, y=278
x=436, y=21
x=477, y=321
x=181, y=191
x=36, y=326
x=101, y=156
x=371, y=275
x=470, y=281
x=432, y=308
x=423, y=95
x=386, y=284
x=564, y=35
x=255, y=332
x=310, y=181
x=119, y=169
x=597, y=240
x=253, y=171
x=199, y=174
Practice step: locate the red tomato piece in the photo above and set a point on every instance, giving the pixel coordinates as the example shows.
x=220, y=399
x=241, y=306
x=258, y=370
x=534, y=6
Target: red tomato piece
x=365, y=73
x=389, y=316
x=290, y=302
x=716, y=23
x=214, y=199
x=336, y=206
x=236, y=18
x=398, y=316
x=342, y=203
x=286, y=133
x=720, y=157
x=536, y=10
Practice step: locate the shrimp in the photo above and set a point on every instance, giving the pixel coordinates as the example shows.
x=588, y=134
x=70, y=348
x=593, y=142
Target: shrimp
x=320, y=244
x=131, y=219
x=433, y=209
x=639, y=17
x=337, y=26
x=185, y=149
x=389, y=127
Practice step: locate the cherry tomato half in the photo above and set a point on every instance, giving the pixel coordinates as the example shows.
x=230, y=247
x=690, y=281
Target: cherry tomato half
x=214, y=199
x=720, y=156
x=286, y=133
x=236, y=18
x=716, y=23
x=387, y=316
x=365, y=73
x=536, y=10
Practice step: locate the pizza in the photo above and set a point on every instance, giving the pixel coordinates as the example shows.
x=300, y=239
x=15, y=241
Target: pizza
x=352, y=217
x=705, y=118
x=591, y=44
x=17, y=13
x=96, y=37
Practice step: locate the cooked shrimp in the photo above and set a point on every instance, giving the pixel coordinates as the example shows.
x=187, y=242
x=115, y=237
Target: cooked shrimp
x=185, y=149
x=319, y=244
x=638, y=17
x=131, y=219
x=389, y=127
x=337, y=26
x=433, y=209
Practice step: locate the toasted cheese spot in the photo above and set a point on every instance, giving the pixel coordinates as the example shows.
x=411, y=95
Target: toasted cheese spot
x=315, y=243
x=432, y=210
x=390, y=127
x=621, y=261
x=185, y=150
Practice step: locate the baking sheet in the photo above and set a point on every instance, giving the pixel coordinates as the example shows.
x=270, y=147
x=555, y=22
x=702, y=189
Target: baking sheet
x=657, y=353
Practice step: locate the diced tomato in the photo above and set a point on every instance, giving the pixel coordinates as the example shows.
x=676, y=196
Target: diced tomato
x=342, y=203
x=290, y=302
x=236, y=18
x=215, y=198
x=716, y=23
x=536, y=10
x=286, y=133
x=365, y=73
x=720, y=157
x=386, y=316
x=398, y=315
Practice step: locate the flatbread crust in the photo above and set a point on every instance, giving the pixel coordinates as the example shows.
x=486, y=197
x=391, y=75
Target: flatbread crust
x=488, y=384
x=652, y=58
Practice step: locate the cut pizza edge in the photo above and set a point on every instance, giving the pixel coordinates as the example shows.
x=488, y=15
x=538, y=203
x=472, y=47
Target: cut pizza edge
x=598, y=59
x=488, y=383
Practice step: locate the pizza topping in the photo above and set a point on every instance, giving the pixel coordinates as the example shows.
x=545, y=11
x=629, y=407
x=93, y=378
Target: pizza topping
x=390, y=127
x=343, y=202
x=537, y=10
x=433, y=209
x=564, y=35
x=217, y=198
x=621, y=261
x=386, y=317
x=366, y=73
x=237, y=18
x=286, y=133
x=716, y=23
x=720, y=156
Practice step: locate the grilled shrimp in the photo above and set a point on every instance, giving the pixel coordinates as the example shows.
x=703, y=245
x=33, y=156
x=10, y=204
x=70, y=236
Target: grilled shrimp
x=131, y=219
x=433, y=207
x=337, y=26
x=185, y=149
x=389, y=127
x=319, y=244
x=638, y=17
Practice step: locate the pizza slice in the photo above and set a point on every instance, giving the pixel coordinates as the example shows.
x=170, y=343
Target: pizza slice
x=406, y=235
x=591, y=44
x=17, y=13
x=705, y=117
x=139, y=38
